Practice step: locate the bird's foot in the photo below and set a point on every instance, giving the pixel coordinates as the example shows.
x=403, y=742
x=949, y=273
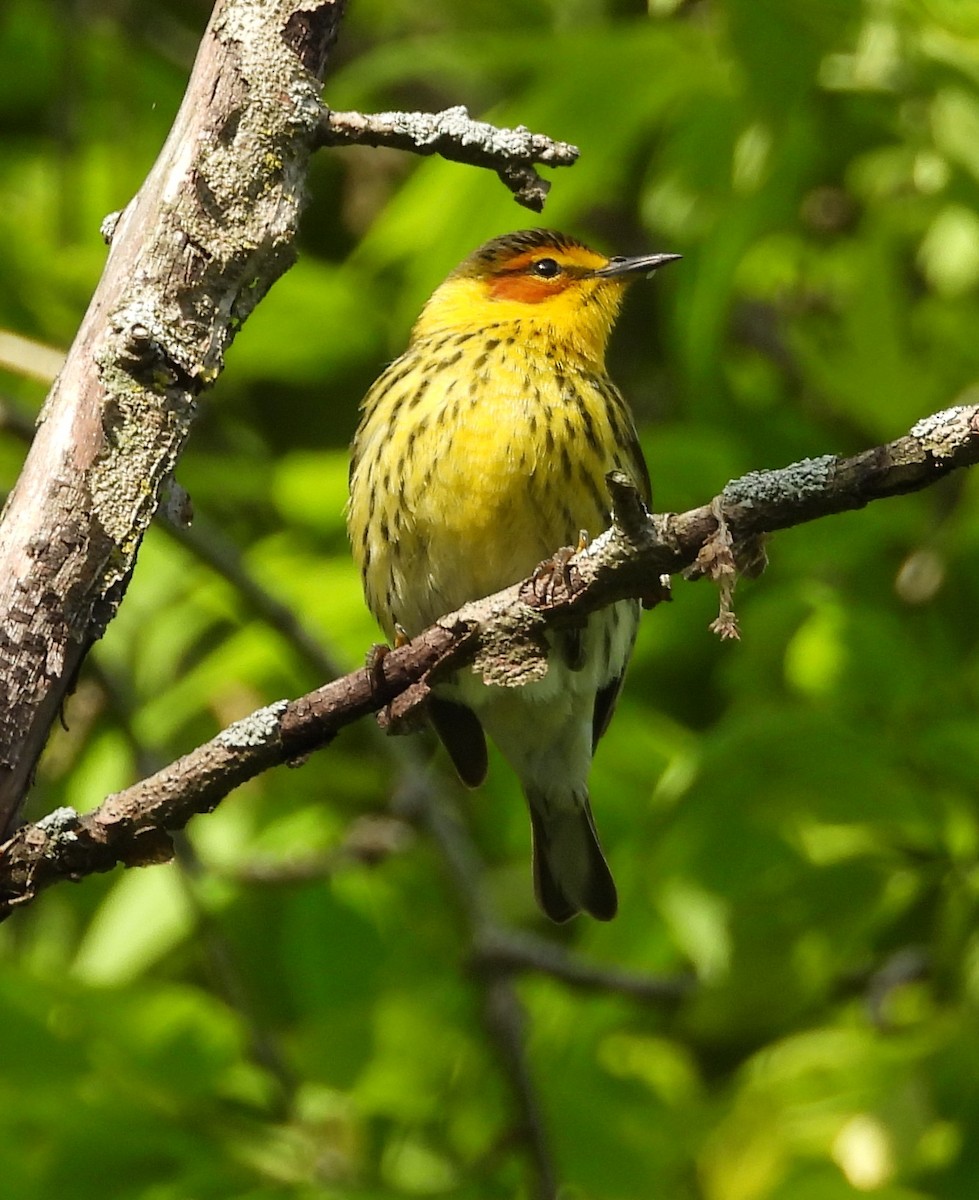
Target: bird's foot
x=553, y=579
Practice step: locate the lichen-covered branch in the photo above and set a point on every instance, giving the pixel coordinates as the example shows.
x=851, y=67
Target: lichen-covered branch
x=454, y=135
x=500, y=636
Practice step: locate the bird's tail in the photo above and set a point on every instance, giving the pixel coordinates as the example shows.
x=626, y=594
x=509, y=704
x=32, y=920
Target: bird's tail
x=570, y=871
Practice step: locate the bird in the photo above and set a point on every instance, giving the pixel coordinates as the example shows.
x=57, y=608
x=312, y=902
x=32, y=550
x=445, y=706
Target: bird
x=481, y=451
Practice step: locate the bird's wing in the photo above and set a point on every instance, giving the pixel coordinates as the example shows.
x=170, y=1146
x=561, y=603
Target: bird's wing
x=462, y=735
x=605, y=700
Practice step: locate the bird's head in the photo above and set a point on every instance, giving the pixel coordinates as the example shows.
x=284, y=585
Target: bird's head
x=543, y=282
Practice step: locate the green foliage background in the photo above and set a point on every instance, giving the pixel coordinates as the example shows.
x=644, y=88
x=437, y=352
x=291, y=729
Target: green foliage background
x=793, y=819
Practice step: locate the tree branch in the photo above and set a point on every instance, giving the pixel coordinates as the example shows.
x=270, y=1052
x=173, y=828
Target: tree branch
x=502, y=636
x=208, y=233
x=514, y=953
x=454, y=135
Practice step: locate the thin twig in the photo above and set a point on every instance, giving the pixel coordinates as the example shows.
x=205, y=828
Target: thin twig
x=502, y=1011
x=368, y=840
x=513, y=952
x=30, y=358
x=505, y=1021
x=455, y=136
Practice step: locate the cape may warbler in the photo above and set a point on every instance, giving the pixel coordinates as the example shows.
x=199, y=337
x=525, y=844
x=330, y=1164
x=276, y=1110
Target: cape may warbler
x=482, y=450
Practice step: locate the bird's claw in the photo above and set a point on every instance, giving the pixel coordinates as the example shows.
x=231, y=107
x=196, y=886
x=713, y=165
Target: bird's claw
x=553, y=578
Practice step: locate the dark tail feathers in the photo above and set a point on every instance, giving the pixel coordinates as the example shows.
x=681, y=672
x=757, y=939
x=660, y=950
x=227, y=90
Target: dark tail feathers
x=570, y=871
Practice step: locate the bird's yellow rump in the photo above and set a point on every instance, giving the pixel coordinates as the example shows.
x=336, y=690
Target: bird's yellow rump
x=481, y=451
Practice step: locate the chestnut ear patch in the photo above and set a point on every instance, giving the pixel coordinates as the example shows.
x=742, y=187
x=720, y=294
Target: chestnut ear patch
x=526, y=289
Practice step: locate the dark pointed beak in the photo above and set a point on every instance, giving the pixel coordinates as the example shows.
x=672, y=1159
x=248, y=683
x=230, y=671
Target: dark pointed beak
x=644, y=263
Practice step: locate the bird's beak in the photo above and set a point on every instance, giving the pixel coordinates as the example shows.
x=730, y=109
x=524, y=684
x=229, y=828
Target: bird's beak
x=646, y=263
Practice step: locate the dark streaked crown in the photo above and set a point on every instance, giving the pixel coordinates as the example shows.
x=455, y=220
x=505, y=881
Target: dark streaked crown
x=496, y=253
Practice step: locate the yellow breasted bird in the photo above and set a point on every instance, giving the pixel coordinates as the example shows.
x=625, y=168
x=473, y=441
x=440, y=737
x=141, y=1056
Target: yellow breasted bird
x=481, y=451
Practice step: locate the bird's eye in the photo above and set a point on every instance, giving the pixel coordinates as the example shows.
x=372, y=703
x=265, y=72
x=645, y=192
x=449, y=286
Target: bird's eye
x=546, y=268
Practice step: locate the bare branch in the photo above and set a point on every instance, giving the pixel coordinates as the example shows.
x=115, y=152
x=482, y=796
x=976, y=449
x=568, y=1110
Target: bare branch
x=512, y=952
x=502, y=636
x=454, y=135
x=369, y=840
x=24, y=356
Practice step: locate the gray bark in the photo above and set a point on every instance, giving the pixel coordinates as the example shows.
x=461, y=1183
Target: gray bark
x=209, y=232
